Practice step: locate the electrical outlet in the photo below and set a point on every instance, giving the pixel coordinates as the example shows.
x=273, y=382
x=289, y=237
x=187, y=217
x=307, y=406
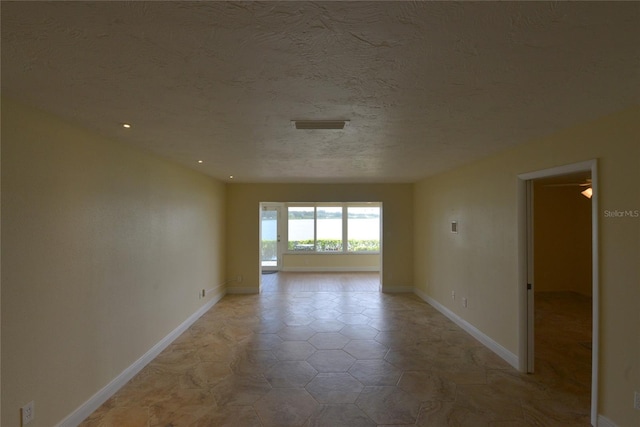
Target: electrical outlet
x=636, y=401
x=453, y=295
x=239, y=279
x=464, y=302
x=204, y=293
x=28, y=413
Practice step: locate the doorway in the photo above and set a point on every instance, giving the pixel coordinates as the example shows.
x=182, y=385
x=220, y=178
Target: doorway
x=320, y=237
x=270, y=237
x=537, y=306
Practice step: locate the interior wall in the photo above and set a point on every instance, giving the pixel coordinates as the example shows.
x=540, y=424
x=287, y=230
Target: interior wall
x=481, y=261
x=331, y=262
x=104, y=251
x=562, y=236
x=243, y=201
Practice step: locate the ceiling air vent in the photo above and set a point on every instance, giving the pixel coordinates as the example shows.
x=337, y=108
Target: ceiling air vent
x=319, y=124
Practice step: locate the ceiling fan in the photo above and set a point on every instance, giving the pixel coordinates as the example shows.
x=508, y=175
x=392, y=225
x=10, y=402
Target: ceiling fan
x=588, y=189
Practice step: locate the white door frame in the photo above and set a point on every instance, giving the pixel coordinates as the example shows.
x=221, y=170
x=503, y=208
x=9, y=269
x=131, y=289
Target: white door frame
x=277, y=207
x=525, y=268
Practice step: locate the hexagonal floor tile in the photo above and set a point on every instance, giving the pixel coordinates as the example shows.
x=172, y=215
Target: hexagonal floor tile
x=205, y=374
x=359, y=332
x=296, y=333
x=366, y=349
x=426, y=385
x=375, y=372
x=241, y=390
x=331, y=360
x=244, y=416
x=339, y=415
x=335, y=388
x=294, y=350
x=322, y=325
x=290, y=374
x=283, y=407
x=389, y=405
x=263, y=341
x=253, y=362
x=297, y=320
x=328, y=341
x=325, y=314
x=354, y=319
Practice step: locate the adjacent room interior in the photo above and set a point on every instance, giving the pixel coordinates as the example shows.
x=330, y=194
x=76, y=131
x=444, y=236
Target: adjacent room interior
x=563, y=282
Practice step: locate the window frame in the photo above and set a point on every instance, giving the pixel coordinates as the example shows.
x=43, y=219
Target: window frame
x=345, y=227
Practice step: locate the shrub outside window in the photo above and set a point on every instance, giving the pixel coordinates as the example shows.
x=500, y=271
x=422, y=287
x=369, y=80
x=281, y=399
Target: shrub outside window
x=329, y=228
x=301, y=228
x=363, y=229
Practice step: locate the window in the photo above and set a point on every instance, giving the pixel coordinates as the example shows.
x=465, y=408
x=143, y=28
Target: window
x=363, y=227
x=301, y=228
x=334, y=228
x=329, y=228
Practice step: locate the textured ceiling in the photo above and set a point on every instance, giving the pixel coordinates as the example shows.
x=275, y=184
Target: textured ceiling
x=427, y=86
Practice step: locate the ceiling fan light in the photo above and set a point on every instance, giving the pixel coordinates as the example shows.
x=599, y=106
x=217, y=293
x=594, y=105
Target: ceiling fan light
x=587, y=193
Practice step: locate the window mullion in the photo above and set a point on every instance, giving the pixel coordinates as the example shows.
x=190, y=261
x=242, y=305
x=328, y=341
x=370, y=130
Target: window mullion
x=345, y=241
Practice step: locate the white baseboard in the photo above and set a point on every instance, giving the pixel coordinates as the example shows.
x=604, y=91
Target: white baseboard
x=87, y=408
x=331, y=269
x=242, y=290
x=605, y=422
x=505, y=354
x=397, y=289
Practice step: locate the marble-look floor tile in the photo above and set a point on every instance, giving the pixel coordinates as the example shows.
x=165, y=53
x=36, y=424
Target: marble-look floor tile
x=328, y=341
x=375, y=372
x=241, y=390
x=331, y=360
x=388, y=405
x=294, y=350
x=335, y=388
x=283, y=407
x=344, y=415
x=366, y=349
x=314, y=355
x=290, y=374
x=427, y=386
x=232, y=416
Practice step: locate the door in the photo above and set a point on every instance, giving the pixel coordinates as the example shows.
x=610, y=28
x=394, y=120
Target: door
x=530, y=280
x=270, y=251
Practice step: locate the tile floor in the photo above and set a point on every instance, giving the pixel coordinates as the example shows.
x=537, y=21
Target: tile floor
x=292, y=357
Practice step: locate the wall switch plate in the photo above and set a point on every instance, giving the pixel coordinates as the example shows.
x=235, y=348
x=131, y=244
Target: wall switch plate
x=28, y=412
x=464, y=302
x=636, y=401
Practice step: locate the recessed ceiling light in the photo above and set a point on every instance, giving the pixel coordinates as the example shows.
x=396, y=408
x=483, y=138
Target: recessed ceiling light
x=230, y=176
x=200, y=161
x=319, y=124
x=126, y=125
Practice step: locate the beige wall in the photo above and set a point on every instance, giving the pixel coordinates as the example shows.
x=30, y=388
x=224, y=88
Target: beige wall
x=562, y=236
x=331, y=262
x=104, y=250
x=481, y=261
x=243, y=201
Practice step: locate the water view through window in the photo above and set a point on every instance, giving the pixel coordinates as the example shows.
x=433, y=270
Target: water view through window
x=321, y=229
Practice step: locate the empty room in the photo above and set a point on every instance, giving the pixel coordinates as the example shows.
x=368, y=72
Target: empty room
x=344, y=213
